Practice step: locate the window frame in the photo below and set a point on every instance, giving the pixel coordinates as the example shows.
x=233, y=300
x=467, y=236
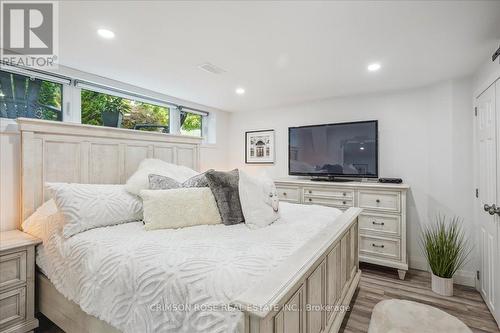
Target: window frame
x=126, y=97
x=44, y=78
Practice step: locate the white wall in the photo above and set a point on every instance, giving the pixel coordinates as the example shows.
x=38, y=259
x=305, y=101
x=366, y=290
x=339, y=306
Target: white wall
x=215, y=155
x=425, y=138
x=212, y=155
x=486, y=75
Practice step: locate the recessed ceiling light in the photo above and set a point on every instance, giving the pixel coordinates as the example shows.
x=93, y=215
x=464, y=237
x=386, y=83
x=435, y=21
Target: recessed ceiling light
x=374, y=67
x=105, y=33
x=240, y=91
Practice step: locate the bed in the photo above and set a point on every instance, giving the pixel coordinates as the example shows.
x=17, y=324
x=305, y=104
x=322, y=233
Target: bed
x=228, y=279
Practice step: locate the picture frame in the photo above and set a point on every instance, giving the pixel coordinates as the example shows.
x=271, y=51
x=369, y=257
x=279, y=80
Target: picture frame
x=260, y=147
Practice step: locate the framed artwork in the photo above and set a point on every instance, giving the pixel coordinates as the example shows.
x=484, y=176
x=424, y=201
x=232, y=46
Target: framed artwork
x=259, y=147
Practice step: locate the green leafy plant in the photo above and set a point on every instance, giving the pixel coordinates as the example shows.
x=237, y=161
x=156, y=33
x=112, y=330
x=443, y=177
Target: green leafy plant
x=445, y=246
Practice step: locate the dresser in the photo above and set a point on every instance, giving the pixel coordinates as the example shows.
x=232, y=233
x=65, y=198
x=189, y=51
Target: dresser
x=382, y=224
x=17, y=282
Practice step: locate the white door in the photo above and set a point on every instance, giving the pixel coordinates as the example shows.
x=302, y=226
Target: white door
x=497, y=216
x=487, y=123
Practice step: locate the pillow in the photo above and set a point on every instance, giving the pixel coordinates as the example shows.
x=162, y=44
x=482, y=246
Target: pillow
x=259, y=200
x=158, y=182
x=198, y=180
x=87, y=206
x=224, y=186
x=179, y=208
x=140, y=179
x=45, y=221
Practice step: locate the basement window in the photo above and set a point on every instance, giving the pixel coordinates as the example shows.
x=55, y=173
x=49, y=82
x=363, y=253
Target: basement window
x=24, y=96
x=103, y=109
x=191, y=123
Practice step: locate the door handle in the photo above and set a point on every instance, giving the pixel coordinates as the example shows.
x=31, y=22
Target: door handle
x=492, y=210
x=497, y=210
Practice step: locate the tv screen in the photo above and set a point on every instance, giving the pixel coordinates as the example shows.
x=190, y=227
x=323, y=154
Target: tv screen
x=343, y=149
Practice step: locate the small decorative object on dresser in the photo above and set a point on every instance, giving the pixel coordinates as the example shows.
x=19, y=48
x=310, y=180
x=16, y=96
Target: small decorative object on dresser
x=382, y=224
x=446, y=249
x=259, y=147
x=17, y=282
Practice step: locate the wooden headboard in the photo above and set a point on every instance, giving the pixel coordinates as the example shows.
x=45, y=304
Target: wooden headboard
x=67, y=152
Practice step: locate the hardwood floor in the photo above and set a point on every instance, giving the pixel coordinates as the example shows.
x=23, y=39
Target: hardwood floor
x=378, y=283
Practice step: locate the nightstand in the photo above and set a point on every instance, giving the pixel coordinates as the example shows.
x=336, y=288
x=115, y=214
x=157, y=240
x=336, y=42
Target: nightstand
x=17, y=282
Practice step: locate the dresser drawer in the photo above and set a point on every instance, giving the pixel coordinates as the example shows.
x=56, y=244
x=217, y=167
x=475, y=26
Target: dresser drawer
x=12, y=307
x=389, y=225
x=380, y=247
x=328, y=192
x=12, y=269
x=336, y=202
x=290, y=194
x=380, y=200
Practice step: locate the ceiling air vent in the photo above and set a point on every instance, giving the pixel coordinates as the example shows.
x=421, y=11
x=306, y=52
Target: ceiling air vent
x=211, y=68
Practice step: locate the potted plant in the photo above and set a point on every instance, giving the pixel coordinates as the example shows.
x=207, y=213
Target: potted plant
x=112, y=115
x=112, y=118
x=446, y=248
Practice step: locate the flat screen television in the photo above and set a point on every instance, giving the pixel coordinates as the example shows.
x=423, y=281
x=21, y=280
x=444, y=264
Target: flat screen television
x=334, y=150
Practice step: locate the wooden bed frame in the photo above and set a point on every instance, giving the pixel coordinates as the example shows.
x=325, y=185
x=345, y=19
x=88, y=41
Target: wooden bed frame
x=324, y=273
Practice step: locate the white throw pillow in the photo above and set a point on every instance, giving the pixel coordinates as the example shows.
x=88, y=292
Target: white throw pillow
x=45, y=221
x=259, y=200
x=87, y=206
x=140, y=179
x=178, y=208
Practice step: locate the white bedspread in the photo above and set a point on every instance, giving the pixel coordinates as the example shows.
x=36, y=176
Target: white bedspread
x=130, y=277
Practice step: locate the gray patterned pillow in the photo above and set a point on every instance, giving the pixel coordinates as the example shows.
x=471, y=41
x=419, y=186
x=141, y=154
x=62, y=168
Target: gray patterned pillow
x=198, y=180
x=224, y=186
x=157, y=182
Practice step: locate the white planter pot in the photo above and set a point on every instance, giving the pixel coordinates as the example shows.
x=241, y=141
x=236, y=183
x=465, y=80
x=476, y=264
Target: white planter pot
x=442, y=286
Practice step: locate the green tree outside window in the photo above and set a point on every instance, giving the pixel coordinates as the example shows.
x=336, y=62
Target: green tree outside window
x=134, y=112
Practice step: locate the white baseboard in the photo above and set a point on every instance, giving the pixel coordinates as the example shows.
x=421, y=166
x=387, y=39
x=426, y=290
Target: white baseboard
x=465, y=278
x=418, y=262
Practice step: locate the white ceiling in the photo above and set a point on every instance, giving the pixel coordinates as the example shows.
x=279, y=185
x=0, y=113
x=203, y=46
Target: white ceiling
x=280, y=52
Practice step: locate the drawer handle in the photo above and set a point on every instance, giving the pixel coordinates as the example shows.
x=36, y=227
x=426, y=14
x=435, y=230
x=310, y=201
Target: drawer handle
x=343, y=202
x=284, y=193
x=378, y=223
x=378, y=200
x=379, y=246
x=344, y=194
x=310, y=191
x=310, y=199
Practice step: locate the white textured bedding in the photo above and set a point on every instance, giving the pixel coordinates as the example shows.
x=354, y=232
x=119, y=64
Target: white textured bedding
x=122, y=274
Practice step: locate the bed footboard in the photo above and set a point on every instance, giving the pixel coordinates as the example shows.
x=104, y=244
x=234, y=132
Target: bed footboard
x=311, y=291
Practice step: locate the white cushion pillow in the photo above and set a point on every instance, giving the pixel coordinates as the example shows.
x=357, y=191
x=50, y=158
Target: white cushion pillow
x=140, y=179
x=87, y=206
x=45, y=221
x=178, y=208
x=259, y=200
